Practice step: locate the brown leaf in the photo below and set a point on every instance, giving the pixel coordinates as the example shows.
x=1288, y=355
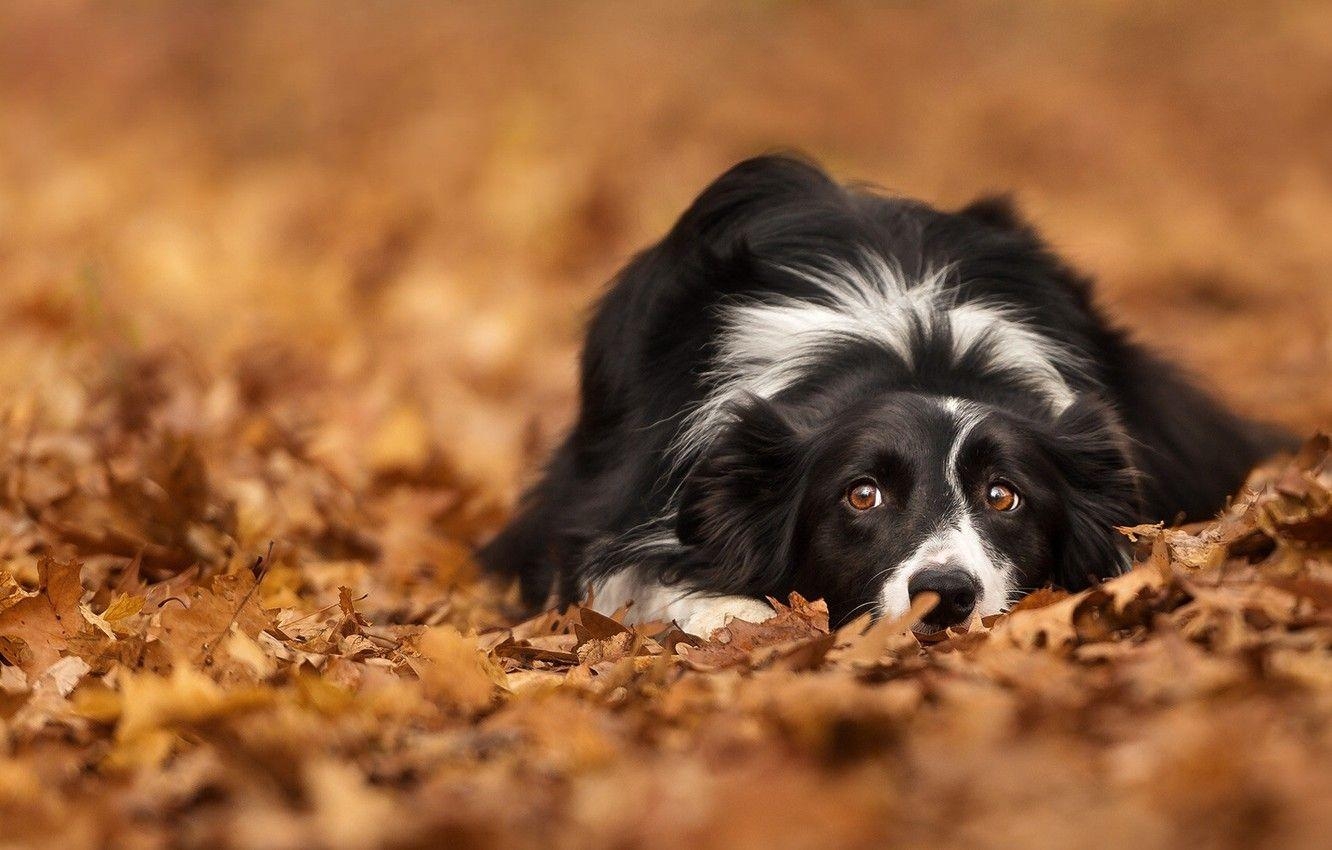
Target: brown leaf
x=230, y=601
x=788, y=634
x=1040, y=598
x=46, y=621
x=1049, y=627
x=864, y=644
x=526, y=652
x=348, y=607
x=152, y=707
x=593, y=626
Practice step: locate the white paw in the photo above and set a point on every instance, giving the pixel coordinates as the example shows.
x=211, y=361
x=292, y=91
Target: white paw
x=704, y=615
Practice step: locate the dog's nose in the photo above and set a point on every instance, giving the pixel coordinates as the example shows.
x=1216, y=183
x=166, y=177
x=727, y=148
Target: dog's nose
x=957, y=592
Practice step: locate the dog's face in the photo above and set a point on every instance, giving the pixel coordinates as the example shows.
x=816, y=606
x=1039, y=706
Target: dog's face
x=905, y=493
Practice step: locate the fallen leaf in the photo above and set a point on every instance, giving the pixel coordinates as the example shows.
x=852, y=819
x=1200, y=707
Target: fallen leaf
x=195, y=630
x=46, y=621
x=798, y=630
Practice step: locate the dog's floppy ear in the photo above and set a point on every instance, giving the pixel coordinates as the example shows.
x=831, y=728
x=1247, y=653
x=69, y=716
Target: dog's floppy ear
x=1091, y=450
x=721, y=211
x=739, y=504
x=998, y=211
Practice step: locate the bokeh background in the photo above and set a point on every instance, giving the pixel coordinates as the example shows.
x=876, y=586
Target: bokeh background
x=422, y=200
x=314, y=274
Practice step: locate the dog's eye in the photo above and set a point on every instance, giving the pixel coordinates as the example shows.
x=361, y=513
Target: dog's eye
x=864, y=494
x=1002, y=497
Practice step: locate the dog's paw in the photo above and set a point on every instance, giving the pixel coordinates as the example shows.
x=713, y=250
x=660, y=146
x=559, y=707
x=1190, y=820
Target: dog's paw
x=707, y=614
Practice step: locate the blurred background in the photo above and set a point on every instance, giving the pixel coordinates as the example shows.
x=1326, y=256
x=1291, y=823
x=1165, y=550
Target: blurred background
x=396, y=215
x=307, y=281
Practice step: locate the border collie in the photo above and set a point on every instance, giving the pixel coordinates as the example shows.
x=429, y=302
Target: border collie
x=815, y=387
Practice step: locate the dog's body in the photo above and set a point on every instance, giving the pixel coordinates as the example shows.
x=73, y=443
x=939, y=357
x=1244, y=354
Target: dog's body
x=817, y=388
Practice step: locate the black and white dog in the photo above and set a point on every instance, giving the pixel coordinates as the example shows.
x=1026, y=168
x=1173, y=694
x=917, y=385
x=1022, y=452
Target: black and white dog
x=813, y=387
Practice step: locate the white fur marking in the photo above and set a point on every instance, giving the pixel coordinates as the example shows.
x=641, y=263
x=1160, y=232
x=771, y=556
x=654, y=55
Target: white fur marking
x=967, y=414
x=697, y=614
x=766, y=347
x=957, y=543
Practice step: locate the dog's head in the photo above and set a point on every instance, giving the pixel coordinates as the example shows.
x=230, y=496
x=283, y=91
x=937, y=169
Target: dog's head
x=898, y=400
x=902, y=493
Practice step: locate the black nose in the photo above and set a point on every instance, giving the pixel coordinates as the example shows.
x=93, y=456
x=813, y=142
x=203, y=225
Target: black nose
x=957, y=592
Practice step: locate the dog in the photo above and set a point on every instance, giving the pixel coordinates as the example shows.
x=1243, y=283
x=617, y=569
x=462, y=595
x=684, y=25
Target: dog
x=814, y=387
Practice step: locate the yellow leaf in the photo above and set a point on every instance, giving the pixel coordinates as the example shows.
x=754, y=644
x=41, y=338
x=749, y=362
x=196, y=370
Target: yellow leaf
x=96, y=620
x=122, y=607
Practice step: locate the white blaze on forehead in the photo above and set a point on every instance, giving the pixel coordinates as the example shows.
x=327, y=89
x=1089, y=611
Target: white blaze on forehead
x=766, y=347
x=956, y=542
x=966, y=415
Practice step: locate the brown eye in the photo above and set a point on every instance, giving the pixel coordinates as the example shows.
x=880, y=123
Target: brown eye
x=1002, y=497
x=864, y=494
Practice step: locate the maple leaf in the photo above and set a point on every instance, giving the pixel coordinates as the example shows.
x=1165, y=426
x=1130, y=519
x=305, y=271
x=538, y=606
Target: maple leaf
x=47, y=620
x=194, y=627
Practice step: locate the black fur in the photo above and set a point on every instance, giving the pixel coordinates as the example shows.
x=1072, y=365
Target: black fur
x=758, y=511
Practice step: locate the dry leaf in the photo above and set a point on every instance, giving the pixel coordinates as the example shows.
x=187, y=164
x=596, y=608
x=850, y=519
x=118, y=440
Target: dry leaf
x=46, y=621
x=229, y=602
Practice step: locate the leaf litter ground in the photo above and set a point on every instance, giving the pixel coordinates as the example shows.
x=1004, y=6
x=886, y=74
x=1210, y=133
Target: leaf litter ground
x=330, y=671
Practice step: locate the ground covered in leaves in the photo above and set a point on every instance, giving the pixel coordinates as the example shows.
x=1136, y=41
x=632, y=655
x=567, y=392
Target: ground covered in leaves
x=289, y=301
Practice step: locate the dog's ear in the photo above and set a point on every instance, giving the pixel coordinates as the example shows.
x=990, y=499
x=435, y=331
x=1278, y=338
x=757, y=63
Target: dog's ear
x=710, y=251
x=722, y=211
x=1091, y=450
x=998, y=211
x=739, y=504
